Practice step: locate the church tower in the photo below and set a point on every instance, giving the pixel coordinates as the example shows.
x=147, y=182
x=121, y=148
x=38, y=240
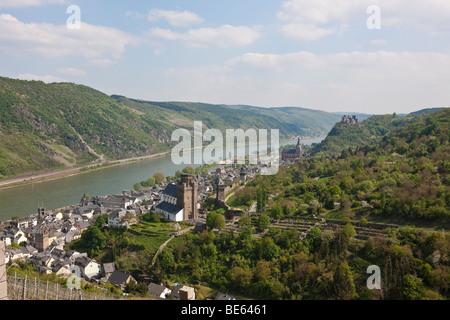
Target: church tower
x=41, y=214
x=220, y=195
x=41, y=239
x=298, y=150
x=187, y=196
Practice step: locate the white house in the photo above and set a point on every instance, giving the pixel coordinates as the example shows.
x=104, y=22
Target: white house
x=18, y=236
x=118, y=202
x=159, y=291
x=122, y=218
x=168, y=205
x=58, y=216
x=170, y=211
x=6, y=239
x=89, y=268
x=72, y=235
x=61, y=268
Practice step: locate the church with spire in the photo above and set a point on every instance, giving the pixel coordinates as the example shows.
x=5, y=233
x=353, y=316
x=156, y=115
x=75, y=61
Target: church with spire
x=293, y=154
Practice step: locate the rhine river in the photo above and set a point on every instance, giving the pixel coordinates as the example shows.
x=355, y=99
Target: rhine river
x=24, y=200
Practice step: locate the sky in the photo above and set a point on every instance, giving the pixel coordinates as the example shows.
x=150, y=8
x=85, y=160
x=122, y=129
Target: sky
x=368, y=56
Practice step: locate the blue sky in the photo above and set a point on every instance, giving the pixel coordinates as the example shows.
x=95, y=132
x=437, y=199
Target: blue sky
x=318, y=54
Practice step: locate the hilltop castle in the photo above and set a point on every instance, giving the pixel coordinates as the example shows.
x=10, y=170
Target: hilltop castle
x=349, y=120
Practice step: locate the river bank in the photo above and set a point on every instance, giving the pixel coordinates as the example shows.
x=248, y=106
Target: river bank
x=31, y=178
x=28, y=178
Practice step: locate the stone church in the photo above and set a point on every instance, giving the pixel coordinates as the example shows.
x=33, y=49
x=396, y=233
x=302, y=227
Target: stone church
x=179, y=202
x=293, y=154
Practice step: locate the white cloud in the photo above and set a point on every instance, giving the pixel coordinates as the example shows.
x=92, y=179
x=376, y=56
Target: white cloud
x=46, y=78
x=48, y=40
x=307, y=32
x=315, y=19
x=100, y=62
x=29, y=3
x=223, y=37
x=175, y=18
x=379, y=42
x=72, y=71
x=371, y=82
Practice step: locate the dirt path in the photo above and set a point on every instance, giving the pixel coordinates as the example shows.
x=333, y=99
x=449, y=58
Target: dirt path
x=161, y=248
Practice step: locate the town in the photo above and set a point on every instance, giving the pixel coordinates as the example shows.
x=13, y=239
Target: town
x=40, y=239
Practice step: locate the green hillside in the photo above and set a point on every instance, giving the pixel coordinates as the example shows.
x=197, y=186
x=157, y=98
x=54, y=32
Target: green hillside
x=369, y=131
x=58, y=125
x=48, y=126
x=385, y=205
x=307, y=122
x=291, y=121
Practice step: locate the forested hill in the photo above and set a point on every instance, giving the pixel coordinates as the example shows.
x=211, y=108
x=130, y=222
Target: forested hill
x=291, y=121
x=58, y=125
x=48, y=126
x=366, y=132
x=306, y=121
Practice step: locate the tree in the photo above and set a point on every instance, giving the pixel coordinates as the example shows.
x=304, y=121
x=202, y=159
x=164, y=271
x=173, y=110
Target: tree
x=348, y=231
x=167, y=260
x=271, y=252
x=101, y=220
x=343, y=285
x=215, y=220
x=189, y=170
x=412, y=287
x=93, y=240
x=314, y=238
x=260, y=198
x=241, y=277
x=159, y=177
x=263, y=221
x=137, y=186
x=262, y=270
x=277, y=212
x=151, y=182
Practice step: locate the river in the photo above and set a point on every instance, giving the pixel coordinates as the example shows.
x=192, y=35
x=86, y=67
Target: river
x=24, y=200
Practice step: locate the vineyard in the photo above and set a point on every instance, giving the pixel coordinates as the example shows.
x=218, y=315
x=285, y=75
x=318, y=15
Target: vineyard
x=21, y=287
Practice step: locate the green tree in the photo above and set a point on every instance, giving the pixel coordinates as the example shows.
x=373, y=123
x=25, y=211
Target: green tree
x=189, y=170
x=241, y=277
x=263, y=221
x=159, y=177
x=167, y=260
x=151, y=182
x=277, y=212
x=314, y=238
x=101, y=220
x=92, y=240
x=343, y=285
x=271, y=252
x=215, y=220
x=137, y=186
x=219, y=221
x=412, y=287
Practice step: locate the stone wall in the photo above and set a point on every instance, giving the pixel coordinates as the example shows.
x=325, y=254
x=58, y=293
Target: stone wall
x=3, y=285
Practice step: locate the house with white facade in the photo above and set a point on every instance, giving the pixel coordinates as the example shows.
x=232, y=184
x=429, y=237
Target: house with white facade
x=122, y=218
x=168, y=205
x=89, y=268
x=159, y=291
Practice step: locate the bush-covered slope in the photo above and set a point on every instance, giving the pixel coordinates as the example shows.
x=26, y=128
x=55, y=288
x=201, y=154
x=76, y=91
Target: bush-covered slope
x=45, y=126
x=368, y=131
